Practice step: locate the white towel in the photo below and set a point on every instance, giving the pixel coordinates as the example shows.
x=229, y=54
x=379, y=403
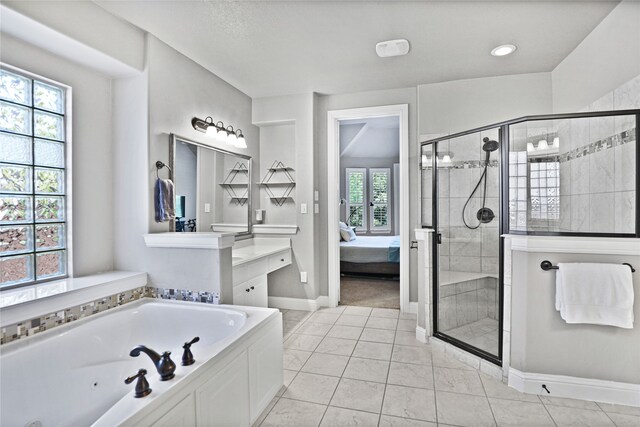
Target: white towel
x=599, y=294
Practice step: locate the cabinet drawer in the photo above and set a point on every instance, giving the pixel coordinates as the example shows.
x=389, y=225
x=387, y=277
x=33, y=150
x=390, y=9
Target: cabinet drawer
x=249, y=270
x=279, y=260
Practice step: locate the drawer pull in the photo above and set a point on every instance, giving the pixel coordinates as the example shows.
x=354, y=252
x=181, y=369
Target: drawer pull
x=253, y=287
x=248, y=290
x=282, y=259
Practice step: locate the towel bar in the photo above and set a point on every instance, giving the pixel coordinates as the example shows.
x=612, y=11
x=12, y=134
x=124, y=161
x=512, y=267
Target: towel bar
x=546, y=266
x=160, y=165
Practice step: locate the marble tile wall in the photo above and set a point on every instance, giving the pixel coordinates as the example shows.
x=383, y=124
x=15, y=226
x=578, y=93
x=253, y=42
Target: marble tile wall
x=466, y=302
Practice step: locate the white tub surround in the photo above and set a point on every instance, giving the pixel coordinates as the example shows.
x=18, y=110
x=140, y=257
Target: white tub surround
x=253, y=260
x=580, y=361
x=37, y=300
x=199, y=262
x=238, y=368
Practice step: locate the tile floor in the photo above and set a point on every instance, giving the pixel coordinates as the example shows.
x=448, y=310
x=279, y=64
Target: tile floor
x=482, y=334
x=358, y=366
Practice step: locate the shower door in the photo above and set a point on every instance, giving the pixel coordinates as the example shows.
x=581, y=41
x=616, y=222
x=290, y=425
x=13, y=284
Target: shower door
x=467, y=243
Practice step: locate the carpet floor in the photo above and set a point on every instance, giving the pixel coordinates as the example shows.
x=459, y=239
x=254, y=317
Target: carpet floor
x=368, y=292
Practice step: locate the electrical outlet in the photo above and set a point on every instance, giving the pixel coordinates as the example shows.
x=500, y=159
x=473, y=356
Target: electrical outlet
x=316, y=196
x=303, y=208
x=316, y=208
x=207, y=207
x=303, y=276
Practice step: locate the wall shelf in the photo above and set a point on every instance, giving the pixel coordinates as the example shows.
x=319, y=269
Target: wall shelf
x=233, y=187
x=278, y=191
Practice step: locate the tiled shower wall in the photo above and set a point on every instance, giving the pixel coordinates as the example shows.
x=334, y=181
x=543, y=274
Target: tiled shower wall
x=466, y=302
x=598, y=187
x=463, y=249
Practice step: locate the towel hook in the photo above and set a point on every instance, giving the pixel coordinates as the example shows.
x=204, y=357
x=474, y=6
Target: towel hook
x=160, y=165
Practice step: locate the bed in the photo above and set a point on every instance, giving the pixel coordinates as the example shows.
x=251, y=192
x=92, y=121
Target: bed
x=371, y=255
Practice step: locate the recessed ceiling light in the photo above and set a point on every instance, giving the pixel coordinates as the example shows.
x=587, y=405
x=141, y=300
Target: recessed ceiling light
x=503, y=50
x=392, y=48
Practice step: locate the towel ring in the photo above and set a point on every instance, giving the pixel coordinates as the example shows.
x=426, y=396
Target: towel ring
x=160, y=165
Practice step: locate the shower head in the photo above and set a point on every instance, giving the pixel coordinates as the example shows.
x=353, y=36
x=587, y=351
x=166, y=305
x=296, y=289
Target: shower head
x=489, y=145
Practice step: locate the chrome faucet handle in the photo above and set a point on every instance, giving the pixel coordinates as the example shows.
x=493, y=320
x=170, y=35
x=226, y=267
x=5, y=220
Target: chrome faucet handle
x=142, y=386
x=187, y=356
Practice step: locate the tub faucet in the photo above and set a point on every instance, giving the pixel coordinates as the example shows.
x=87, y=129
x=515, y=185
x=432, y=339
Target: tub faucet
x=164, y=364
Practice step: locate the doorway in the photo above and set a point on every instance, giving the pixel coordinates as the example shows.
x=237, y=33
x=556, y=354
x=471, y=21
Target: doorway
x=372, y=214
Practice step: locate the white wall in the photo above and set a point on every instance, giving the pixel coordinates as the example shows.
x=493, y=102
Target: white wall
x=88, y=23
x=607, y=58
x=296, y=110
x=180, y=89
x=460, y=105
x=92, y=219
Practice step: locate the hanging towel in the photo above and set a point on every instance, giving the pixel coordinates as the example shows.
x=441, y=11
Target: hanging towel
x=164, y=200
x=598, y=294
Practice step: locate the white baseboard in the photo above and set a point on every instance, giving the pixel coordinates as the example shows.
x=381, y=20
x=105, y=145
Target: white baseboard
x=575, y=387
x=298, y=303
x=421, y=335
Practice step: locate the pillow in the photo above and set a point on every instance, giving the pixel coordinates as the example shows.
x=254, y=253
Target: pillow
x=347, y=235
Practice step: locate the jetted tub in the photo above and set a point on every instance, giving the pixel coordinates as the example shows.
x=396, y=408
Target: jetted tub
x=73, y=375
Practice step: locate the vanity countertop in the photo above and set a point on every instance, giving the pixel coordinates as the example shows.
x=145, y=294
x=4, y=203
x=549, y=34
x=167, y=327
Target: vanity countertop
x=251, y=249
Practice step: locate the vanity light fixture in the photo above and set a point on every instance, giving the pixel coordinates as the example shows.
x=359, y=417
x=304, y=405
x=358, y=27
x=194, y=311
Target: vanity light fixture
x=543, y=144
x=227, y=134
x=503, y=50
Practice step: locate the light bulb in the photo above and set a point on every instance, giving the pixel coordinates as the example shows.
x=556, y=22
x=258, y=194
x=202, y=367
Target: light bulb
x=530, y=147
x=556, y=142
x=231, y=139
x=221, y=135
x=241, y=143
x=446, y=158
x=543, y=145
x=211, y=130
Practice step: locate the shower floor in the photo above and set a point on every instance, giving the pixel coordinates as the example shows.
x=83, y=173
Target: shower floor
x=482, y=334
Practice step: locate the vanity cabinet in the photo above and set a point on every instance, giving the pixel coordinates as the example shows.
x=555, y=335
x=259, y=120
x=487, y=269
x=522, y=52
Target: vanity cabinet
x=250, y=275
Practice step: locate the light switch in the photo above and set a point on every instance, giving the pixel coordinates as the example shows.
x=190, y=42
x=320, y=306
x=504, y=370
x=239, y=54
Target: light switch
x=316, y=208
x=207, y=207
x=303, y=276
x=315, y=196
x=303, y=208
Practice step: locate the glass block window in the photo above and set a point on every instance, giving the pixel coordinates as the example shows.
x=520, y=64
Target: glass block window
x=32, y=180
x=518, y=190
x=545, y=190
x=379, y=206
x=356, y=190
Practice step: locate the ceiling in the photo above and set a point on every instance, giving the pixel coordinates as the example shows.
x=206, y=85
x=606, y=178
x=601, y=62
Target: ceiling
x=267, y=48
x=370, y=138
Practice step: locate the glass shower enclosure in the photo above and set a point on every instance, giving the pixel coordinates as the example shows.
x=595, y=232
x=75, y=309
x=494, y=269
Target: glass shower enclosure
x=561, y=175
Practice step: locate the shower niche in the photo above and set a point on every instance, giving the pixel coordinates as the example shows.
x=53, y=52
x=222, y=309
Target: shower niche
x=559, y=175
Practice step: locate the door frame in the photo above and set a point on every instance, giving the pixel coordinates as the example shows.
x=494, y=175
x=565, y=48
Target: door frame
x=333, y=193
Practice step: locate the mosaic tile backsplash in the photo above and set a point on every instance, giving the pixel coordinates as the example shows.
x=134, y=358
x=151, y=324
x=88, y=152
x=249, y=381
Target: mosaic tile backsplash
x=36, y=325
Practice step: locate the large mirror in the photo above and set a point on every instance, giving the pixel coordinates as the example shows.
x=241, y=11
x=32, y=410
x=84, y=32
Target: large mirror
x=212, y=188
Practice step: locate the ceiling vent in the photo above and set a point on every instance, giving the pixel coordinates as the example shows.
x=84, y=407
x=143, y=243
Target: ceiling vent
x=392, y=48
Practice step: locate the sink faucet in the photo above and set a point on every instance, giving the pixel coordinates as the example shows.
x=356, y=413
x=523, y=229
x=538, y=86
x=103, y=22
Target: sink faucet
x=164, y=364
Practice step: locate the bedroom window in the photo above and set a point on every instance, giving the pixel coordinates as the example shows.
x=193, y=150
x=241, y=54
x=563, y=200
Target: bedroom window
x=379, y=206
x=356, y=190
x=33, y=223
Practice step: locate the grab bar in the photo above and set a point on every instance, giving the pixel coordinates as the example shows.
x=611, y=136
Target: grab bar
x=546, y=266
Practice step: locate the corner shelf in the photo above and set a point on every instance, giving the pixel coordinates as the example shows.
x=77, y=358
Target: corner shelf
x=230, y=185
x=280, y=195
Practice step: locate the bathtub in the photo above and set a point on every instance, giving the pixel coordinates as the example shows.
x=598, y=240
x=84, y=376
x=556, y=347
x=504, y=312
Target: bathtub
x=73, y=375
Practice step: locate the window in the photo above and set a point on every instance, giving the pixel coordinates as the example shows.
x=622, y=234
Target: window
x=33, y=223
x=379, y=206
x=356, y=190
x=545, y=190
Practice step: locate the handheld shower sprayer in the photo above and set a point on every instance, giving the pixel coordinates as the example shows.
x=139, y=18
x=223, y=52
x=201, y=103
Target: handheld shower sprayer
x=484, y=214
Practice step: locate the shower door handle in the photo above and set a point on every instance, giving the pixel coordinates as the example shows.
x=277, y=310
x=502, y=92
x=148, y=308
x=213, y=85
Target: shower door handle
x=439, y=238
